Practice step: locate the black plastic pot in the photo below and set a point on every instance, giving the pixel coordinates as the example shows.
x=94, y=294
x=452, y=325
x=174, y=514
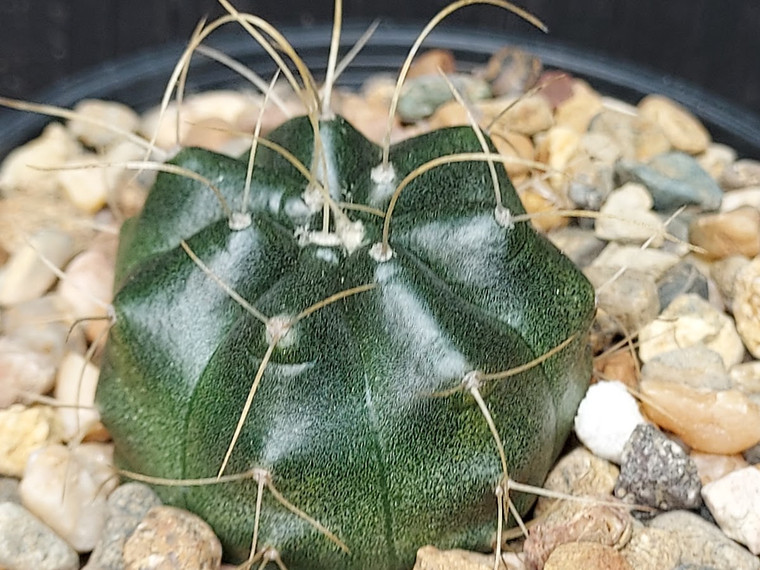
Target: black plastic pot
x=139, y=80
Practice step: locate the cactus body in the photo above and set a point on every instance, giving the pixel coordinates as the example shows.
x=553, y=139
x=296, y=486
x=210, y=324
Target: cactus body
x=349, y=419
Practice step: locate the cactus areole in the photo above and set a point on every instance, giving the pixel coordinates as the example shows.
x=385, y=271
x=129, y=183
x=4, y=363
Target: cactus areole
x=356, y=423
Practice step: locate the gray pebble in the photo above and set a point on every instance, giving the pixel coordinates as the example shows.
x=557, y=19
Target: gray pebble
x=9, y=490
x=580, y=245
x=657, y=472
x=127, y=506
x=673, y=179
x=683, y=277
x=26, y=543
x=695, y=366
x=423, y=95
x=752, y=455
x=694, y=567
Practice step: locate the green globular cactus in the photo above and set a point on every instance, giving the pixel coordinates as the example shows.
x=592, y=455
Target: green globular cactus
x=362, y=434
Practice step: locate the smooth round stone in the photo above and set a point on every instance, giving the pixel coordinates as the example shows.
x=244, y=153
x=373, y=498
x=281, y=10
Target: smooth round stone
x=673, y=179
x=23, y=431
x=722, y=421
x=683, y=130
x=168, y=538
x=734, y=502
x=679, y=280
x=26, y=543
x=746, y=306
x=627, y=217
x=728, y=233
x=687, y=321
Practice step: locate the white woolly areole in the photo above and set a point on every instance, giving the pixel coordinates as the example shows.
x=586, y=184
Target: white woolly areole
x=326, y=239
x=351, y=234
x=383, y=174
x=239, y=221
x=380, y=253
x=313, y=198
x=279, y=326
x=606, y=419
x=503, y=217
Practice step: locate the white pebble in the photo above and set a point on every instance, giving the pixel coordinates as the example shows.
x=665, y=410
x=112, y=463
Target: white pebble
x=26, y=276
x=67, y=490
x=23, y=372
x=115, y=114
x=76, y=385
x=606, y=419
x=629, y=217
x=734, y=502
x=23, y=431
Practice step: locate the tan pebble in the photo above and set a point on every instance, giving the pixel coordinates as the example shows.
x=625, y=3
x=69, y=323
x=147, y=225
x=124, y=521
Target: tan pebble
x=685, y=132
x=518, y=147
x=450, y=114
x=213, y=134
x=620, y=365
x=687, y=321
x=580, y=472
x=586, y=555
x=75, y=387
x=67, y=490
x=431, y=61
x=23, y=431
x=86, y=188
x=723, y=421
x=728, y=233
x=378, y=89
x=536, y=203
x=715, y=159
x=272, y=118
x=23, y=372
x=172, y=539
x=733, y=199
x=746, y=377
x=653, y=262
x=723, y=272
x=129, y=199
x=618, y=127
x=576, y=112
x=87, y=288
x=370, y=119
x=559, y=147
x=53, y=147
x=743, y=173
x=527, y=115
x=627, y=217
x=746, y=306
x=650, y=139
x=652, y=549
x=115, y=114
x=430, y=558
x=600, y=147
x=712, y=467
x=27, y=274
x=628, y=300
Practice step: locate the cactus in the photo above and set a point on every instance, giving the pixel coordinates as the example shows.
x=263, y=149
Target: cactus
x=337, y=354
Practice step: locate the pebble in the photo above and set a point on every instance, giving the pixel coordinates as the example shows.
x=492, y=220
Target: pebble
x=23, y=431
x=653, y=262
x=606, y=417
x=9, y=490
x=371, y=119
x=620, y=365
x=745, y=376
x=703, y=543
x=687, y=321
x=556, y=86
x=27, y=274
x=625, y=302
x=684, y=131
x=67, y=490
x=55, y=146
x=557, y=148
x=673, y=179
x=682, y=278
x=26, y=543
x=628, y=217
x=619, y=127
x=110, y=112
x=652, y=549
x=85, y=188
x=727, y=233
x=580, y=245
x=516, y=146
x=168, y=538
x=432, y=62
x=746, y=306
x=577, y=111
x=421, y=96
x=76, y=385
x=655, y=471
x=716, y=158
x=724, y=273
x=712, y=467
x=430, y=558
x=127, y=506
x=734, y=502
x=741, y=174
x=536, y=202
x=734, y=199
x=527, y=115
x=695, y=366
x=723, y=421
x=512, y=71
x=587, y=555
x=24, y=372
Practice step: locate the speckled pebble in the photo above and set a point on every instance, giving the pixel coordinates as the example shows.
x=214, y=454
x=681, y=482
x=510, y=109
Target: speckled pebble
x=168, y=538
x=657, y=472
x=26, y=543
x=673, y=179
